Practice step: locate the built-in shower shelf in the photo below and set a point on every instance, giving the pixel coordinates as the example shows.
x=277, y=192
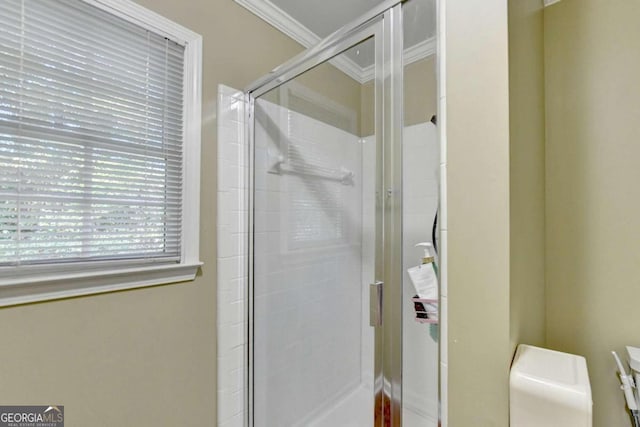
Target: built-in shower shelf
x=426, y=310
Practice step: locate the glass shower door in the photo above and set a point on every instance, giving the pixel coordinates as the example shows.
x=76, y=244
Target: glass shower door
x=314, y=240
x=325, y=309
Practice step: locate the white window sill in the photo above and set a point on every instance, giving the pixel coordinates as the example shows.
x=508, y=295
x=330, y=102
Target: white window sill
x=47, y=285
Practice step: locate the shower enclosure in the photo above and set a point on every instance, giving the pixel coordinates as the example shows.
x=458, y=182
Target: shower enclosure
x=341, y=187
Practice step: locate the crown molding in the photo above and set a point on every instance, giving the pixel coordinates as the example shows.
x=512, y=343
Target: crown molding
x=412, y=54
x=280, y=19
x=550, y=2
x=284, y=22
x=419, y=51
x=350, y=68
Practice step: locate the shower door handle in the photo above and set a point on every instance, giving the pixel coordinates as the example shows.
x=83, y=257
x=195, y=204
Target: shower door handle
x=375, y=303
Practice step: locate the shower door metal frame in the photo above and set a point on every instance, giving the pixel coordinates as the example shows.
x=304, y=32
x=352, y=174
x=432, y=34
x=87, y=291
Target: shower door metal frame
x=384, y=23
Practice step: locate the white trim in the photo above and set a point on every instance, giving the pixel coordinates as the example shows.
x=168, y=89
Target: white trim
x=550, y=2
x=80, y=283
x=75, y=279
x=418, y=51
x=134, y=13
x=351, y=69
x=284, y=22
x=298, y=90
x=192, y=113
x=280, y=19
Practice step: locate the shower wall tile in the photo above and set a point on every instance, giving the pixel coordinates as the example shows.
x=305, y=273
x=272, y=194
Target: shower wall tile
x=234, y=378
x=232, y=293
x=231, y=267
x=236, y=246
x=232, y=262
x=234, y=421
x=230, y=404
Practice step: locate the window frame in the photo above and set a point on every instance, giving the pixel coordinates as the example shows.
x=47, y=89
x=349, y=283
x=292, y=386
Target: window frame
x=33, y=283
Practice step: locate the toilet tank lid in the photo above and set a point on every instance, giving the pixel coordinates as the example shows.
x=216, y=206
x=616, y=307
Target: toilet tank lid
x=634, y=358
x=563, y=372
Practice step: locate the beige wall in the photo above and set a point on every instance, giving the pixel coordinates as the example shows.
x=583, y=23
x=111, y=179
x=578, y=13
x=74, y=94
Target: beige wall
x=478, y=209
x=527, y=192
x=367, y=109
x=420, y=96
x=420, y=91
x=592, y=65
x=329, y=82
x=147, y=357
x=323, y=93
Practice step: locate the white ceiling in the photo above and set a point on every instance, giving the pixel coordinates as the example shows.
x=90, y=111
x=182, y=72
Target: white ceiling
x=326, y=16
x=308, y=21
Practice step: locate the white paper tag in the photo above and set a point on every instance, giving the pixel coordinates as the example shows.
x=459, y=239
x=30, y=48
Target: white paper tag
x=424, y=281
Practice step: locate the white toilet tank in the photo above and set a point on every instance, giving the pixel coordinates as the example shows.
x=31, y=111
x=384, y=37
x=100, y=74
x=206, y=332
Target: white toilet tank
x=549, y=389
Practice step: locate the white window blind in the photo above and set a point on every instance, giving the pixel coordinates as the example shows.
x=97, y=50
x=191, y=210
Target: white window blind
x=91, y=136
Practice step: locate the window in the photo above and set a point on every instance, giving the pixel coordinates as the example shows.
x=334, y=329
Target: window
x=99, y=148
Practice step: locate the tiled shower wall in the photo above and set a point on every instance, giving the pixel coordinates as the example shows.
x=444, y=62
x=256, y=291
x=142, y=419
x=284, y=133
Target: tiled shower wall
x=232, y=261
